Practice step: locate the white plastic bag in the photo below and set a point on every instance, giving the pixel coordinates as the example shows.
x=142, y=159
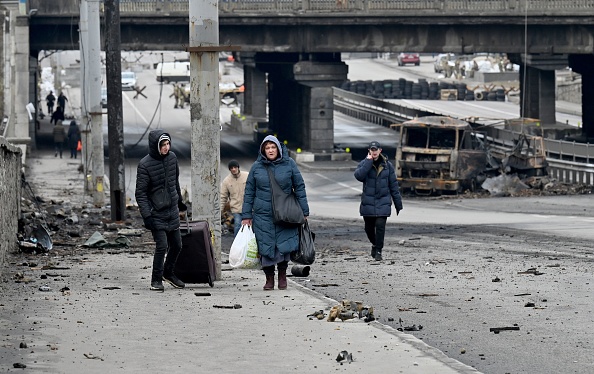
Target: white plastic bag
x=244, y=250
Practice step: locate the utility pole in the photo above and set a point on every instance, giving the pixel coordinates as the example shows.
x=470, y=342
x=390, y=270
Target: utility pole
x=115, y=126
x=84, y=111
x=94, y=89
x=204, y=116
x=90, y=50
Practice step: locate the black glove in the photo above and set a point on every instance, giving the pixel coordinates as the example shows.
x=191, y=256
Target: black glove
x=181, y=206
x=149, y=224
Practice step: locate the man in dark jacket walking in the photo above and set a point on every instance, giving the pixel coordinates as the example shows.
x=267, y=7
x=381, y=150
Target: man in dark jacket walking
x=159, y=199
x=380, y=188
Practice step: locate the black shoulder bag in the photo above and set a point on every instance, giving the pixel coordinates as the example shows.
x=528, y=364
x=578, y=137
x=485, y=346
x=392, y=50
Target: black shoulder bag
x=285, y=207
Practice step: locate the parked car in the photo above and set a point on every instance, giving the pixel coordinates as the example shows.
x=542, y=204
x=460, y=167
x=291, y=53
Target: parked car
x=103, y=97
x=438, y=64
x=128, y=80
x=408, y=58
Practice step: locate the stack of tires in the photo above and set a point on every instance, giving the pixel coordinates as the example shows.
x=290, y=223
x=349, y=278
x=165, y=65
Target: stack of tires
x=421, y=90
x=434, y=91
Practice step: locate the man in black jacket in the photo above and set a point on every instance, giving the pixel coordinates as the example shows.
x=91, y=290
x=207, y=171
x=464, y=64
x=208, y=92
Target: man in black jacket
x=159, y=199
x=380, y=189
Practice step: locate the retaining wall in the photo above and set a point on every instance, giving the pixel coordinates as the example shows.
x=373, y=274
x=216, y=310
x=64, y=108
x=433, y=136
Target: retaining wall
x=10, y=197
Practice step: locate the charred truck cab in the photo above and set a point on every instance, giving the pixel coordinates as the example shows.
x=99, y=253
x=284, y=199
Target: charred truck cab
x=439, y=154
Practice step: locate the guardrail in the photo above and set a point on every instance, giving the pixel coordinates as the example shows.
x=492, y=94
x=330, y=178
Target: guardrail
x=569, y=162
x=426, y=8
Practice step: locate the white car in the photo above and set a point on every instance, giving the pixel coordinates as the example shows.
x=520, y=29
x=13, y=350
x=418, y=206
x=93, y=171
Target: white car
x=103, y=97
x=128, y=80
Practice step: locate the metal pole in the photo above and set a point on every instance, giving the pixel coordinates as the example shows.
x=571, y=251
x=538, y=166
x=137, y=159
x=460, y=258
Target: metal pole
x=84, y=112
x=115, y=127
x=94, y=101
x=204, y=116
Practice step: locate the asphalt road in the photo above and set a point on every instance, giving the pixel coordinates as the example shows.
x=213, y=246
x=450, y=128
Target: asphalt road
x=459, y=281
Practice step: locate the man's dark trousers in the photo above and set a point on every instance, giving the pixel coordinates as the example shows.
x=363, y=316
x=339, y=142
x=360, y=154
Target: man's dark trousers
x=167, y=243
x=375, y=228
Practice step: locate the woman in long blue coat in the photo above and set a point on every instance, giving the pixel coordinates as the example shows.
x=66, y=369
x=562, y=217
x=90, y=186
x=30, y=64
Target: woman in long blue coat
x=275, y=243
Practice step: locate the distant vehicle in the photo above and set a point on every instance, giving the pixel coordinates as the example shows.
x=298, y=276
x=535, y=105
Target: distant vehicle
x=128, y=80
x=438, y=66
x=177, y=71
x=408, y=58
x=103, y=97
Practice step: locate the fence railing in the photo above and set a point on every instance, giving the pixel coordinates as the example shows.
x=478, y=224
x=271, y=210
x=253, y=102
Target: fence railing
x=452, y=8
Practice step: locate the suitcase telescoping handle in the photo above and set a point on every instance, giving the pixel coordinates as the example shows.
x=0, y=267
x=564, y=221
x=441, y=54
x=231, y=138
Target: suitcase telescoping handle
x=187, y=230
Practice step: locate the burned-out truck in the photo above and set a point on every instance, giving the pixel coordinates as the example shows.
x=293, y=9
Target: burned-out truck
x=439, y=154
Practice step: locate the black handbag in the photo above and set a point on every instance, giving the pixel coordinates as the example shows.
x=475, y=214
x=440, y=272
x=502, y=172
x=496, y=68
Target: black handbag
x=285, y=207
x=306, y=254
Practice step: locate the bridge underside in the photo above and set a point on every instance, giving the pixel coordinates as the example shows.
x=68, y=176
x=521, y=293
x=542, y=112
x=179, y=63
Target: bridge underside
x=300, y=59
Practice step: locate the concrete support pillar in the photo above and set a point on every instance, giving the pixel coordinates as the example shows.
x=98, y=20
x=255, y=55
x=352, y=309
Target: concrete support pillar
x=254, y=101
x=538, y=94
x=300, y=101
x=318, y=119
x=582, y=64
x=587, y=107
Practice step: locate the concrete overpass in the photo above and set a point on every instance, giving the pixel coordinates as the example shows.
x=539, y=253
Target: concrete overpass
x=291, y=49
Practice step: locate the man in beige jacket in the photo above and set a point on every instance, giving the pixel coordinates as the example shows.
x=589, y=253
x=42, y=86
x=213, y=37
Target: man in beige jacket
x=232, y=190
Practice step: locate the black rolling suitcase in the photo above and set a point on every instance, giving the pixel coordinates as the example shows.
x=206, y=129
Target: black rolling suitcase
x=195, y=263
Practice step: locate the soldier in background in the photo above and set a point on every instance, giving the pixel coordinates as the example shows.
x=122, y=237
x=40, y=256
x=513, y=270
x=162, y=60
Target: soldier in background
x=457, y=69
x=179, y=96
x=182, y=95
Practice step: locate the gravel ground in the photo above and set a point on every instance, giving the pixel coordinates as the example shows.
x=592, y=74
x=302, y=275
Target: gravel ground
x=459, y=282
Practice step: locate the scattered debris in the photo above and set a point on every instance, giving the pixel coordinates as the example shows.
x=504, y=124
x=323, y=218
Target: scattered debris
x=523, y=294
x=497, y=330
x=349, y=310
x=408, y=328
x=344, y=355
x=45, y=288
x=319, y=314
x=91, y=356
x=23, y=345
x=18, y=365
x=300, y=270
x=529, y=305
x=496, y=279
x=202, y=294
x=98, y=241
x=112, y=288
x=130, y=232
x=531, y=271
x=235, y=306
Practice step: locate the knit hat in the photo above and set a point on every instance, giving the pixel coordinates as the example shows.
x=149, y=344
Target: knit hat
x=163, y=137
x=233, y=163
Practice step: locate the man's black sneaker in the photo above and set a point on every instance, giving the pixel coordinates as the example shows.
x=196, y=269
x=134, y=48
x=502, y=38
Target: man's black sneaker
x=157, y=286
x=378, y=257
x=174, y=281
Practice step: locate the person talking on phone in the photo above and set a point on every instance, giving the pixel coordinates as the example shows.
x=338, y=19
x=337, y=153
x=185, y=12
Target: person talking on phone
x=380, y=189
